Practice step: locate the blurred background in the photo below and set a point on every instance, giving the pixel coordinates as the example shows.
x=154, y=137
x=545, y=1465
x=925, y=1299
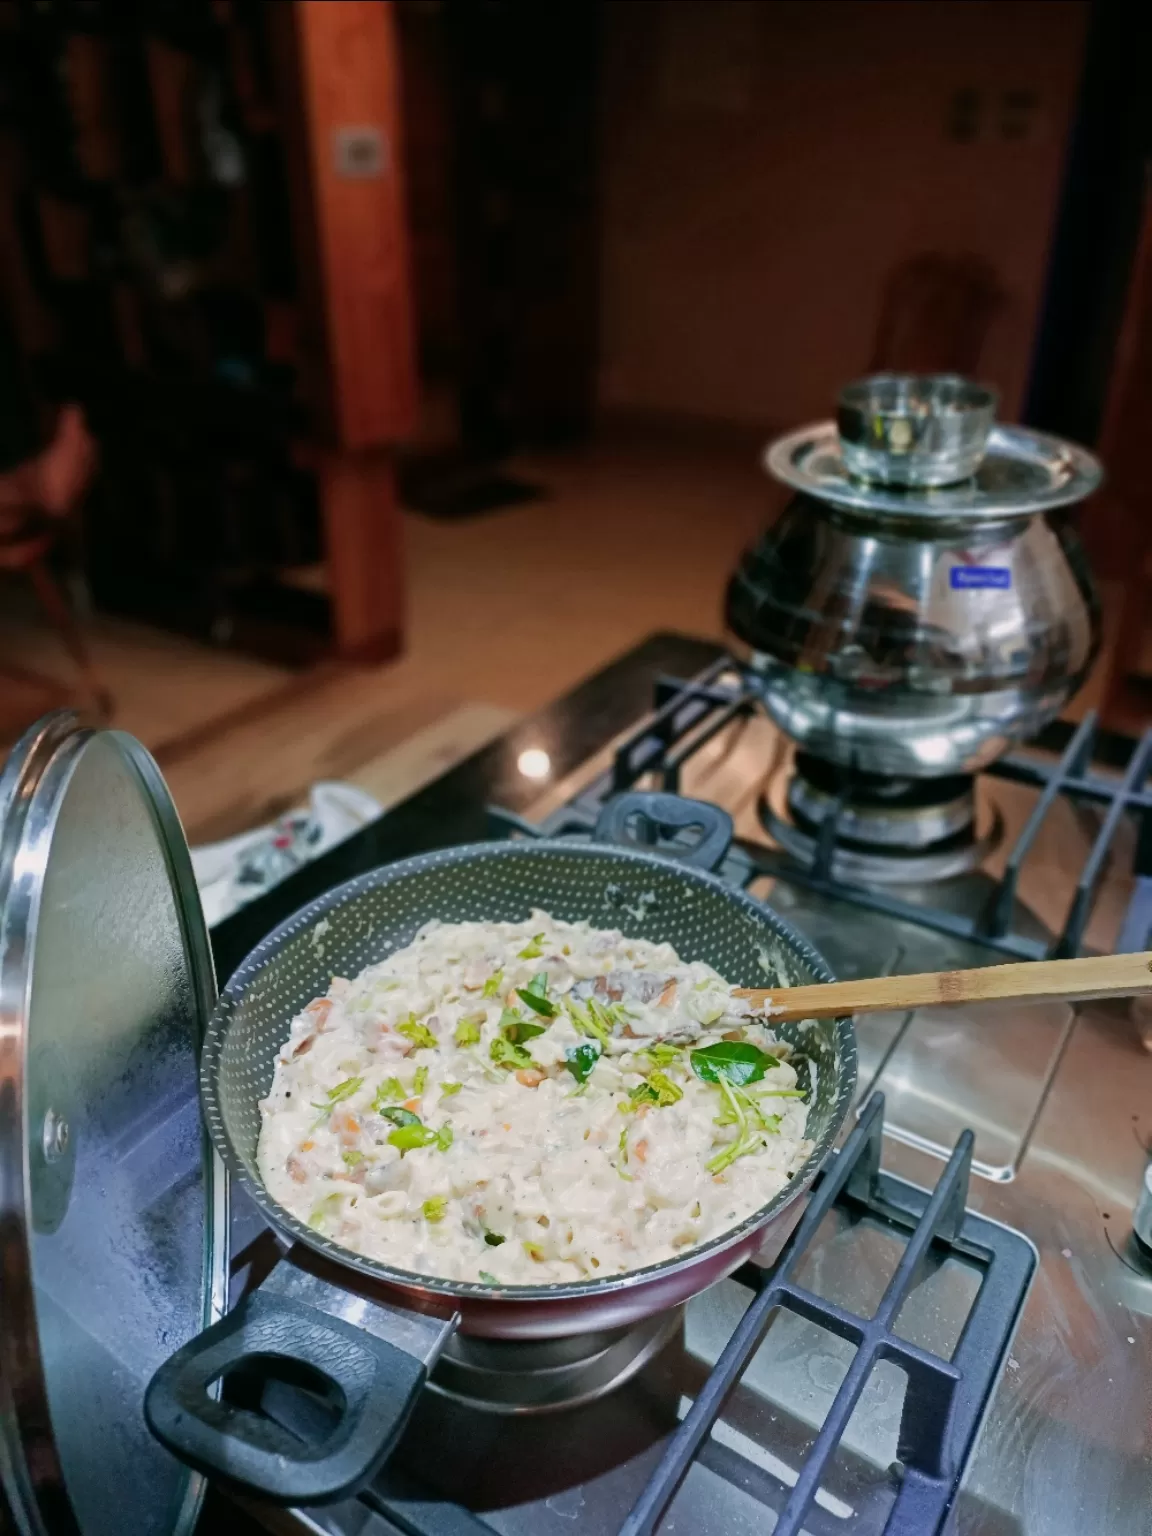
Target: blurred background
x=370, y=372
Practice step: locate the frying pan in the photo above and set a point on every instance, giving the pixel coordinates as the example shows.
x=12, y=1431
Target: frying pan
x=360, y=1334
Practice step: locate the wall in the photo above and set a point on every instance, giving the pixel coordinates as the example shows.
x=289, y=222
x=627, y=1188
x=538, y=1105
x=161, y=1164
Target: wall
x=766, y=165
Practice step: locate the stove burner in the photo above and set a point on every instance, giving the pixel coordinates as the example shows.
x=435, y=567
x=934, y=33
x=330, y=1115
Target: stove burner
x=545, y=1375
x=903, y=814
x=886, y=831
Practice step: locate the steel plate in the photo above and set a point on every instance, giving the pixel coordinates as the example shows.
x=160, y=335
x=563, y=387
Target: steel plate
x=1022, y=473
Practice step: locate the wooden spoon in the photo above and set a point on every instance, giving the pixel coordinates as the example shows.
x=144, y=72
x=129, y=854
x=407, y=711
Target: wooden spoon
x=1032, y=981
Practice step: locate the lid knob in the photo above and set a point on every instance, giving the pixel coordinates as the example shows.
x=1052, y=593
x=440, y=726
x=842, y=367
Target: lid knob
x=914, y=429
x=54, y=1137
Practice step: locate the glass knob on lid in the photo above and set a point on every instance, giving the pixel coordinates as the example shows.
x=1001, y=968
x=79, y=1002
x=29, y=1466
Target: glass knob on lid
x=914, y=429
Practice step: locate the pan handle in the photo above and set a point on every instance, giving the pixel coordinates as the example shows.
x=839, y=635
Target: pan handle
x=658, y=812
x=299, y=1394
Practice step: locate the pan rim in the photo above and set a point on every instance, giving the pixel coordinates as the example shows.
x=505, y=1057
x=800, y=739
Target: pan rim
x=283, y=1221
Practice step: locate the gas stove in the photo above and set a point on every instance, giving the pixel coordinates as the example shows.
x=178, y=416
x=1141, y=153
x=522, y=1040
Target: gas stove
x=956, y=1332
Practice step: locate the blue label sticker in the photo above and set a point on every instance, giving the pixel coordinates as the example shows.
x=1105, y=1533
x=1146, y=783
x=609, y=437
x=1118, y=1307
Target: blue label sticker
x=965, y=576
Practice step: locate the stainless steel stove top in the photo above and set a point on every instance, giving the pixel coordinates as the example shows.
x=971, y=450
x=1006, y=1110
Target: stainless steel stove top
x=1060, y=1103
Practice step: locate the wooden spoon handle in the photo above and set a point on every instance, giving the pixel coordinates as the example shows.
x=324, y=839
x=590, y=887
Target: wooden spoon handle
x=1032, y=981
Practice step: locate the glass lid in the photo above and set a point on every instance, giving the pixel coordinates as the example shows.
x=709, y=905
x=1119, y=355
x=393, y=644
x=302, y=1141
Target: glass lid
x=113, y=1212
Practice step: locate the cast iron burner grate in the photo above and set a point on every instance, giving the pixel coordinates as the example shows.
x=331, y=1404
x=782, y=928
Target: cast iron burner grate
x=688, y=714
x=945, y=1400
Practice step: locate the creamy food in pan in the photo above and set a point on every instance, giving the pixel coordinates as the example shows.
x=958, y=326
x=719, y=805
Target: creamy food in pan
x=525, y=1103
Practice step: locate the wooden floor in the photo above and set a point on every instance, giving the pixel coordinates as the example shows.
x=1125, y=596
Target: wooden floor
x=162, y=685
x=632, y=537
x=504, y=612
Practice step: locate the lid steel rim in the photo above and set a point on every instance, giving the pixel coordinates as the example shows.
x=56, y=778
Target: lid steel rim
x=194, y=932
x=28, y=1436
x=1072, y=474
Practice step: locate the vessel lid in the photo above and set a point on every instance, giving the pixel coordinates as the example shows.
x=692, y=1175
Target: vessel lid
x=1022, y=473
x=113, y=1211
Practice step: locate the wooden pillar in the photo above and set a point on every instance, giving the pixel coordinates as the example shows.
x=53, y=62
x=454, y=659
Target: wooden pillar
x=365, y=570
x=342, y=132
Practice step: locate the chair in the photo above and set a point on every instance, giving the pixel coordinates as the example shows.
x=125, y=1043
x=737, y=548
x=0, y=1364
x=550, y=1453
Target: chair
x=38, y=500
x=935, y=315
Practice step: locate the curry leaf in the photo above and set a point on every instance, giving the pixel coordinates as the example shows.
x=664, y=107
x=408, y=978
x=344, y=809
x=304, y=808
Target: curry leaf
x=516, y=1029
x=520, y=1030
x=538, y=1004
x=580, y=1059
x=411, y=1132
x=399, y=1116
x=738, y=1061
